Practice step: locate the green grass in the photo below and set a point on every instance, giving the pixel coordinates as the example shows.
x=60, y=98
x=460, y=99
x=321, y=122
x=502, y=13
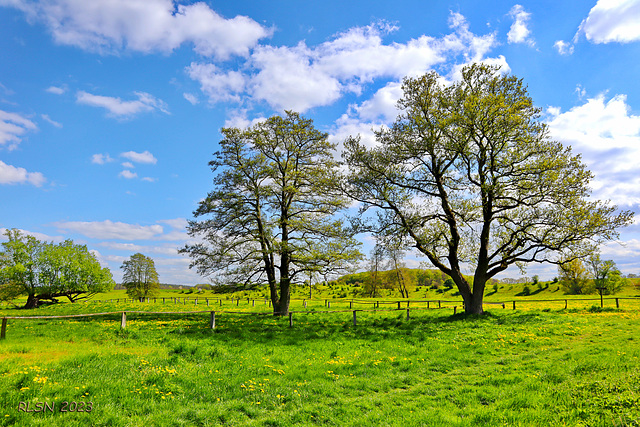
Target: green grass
x=524, y=367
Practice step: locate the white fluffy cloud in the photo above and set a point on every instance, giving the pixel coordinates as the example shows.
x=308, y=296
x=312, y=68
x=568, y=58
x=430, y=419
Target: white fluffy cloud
x=144, y=26
x=15, y=175
x=128, y=174
x=216, y=84
x=101, y=159
x=301, y=77
x=613, y=21
x=563, y=48
x=111, y=230
x=144, y=157
x=12, y=127
x=56, y=90
x=519, y=31
x=119, y=108
x=608, y=137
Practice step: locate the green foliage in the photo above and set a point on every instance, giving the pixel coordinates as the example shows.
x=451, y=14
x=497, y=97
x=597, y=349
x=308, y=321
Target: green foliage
x=574, y=278
x=45, y=271
x=606, y=275
x=469, y=174
x=140, y=277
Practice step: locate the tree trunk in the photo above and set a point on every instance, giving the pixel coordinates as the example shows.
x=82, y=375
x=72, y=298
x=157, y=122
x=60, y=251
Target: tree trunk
x=282, y=307
x=32, y=301
x=474, y=305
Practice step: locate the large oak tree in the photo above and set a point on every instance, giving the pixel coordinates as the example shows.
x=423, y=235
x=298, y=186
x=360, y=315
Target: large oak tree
x=271, y=216
x=469, y=174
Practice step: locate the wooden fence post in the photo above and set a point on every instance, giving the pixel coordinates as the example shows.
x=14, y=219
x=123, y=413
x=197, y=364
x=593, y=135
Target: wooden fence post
x=514, y=304
x=238, y=302
x=617, y=303
x=351, y=304
x=398, y=305
x=407, y=314
x=427, y=304
x=439, y=305
x=354, y=318
x=328, y=304
x=305, y=303
x=3, y=331
x=253, y=303
x=212, y=321
x=207, y=301
x=455, y=307
x=123, y=322
x=290, y=319
x=565, y=304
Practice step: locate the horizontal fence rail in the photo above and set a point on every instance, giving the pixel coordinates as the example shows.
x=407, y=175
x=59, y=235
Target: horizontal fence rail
x=395, y=305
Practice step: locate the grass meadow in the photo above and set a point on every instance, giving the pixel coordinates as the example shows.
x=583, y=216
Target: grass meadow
x=536, y=365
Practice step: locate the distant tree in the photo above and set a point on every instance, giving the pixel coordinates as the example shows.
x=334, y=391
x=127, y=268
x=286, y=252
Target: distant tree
x=271, y=216
x=469, y=173
x=46, y=272
x=140, y=277
x=605, y=274
x=373, y=282
x=394, y=250
x=574, y=278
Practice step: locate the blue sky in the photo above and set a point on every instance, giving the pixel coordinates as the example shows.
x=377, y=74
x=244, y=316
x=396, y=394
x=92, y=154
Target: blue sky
x=110, y=110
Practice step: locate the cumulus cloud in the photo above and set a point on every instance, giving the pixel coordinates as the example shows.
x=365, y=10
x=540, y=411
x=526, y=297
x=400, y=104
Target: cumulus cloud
x=193, y=100
x=301, y=77
x=128, y=174
x=144, y=26
x=519, y=31
x=56, y=90
x=613, y=21
x=607, y=135
x=176, y=223
x=144, y=157
x=563, y=48
x=40, y=236
x=111, y=230
x=119, y=108
x=101, y=159
x=12, y=128
x=216, y=84
x=15, y=175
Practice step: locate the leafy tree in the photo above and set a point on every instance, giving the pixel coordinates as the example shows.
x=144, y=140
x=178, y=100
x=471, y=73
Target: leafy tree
x=470, y=175
x=605, y=274
x=394, y=251
x=373, y=281
x=574, y=278
x=140, y=277
x=271, y=214
x=45, y=271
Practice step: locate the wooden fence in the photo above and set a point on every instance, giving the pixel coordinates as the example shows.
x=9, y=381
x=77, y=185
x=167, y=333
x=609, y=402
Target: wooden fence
x=397, y=305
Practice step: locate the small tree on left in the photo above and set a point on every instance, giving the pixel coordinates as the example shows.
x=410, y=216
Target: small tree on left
x=45, y=271
x=140, y=277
